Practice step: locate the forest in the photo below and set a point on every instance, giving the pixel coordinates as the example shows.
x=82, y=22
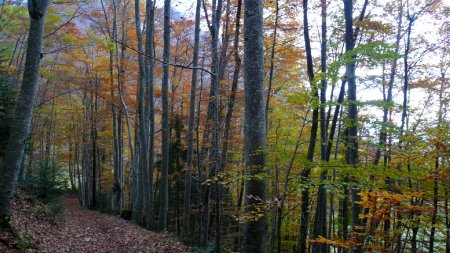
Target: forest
x=247, y=126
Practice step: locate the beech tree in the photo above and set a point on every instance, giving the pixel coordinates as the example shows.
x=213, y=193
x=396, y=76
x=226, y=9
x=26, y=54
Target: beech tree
x=164, y=185
x=304, y=215
x=254, y=127
x=24, y=109
x=343, y=149
x=190, y=135
x=352, y=155
x=149, y=110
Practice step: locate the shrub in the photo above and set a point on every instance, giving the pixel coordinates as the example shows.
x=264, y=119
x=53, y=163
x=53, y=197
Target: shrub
x=25, y=244
x=46, y=181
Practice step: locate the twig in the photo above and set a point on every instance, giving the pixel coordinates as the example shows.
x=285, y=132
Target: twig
x=160, y=61
x=58, y=95
x=65, y=23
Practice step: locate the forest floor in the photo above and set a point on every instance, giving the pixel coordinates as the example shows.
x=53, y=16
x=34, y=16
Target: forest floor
x=44, y=228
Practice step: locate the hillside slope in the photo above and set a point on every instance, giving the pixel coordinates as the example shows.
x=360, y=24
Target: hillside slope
x=41, y=229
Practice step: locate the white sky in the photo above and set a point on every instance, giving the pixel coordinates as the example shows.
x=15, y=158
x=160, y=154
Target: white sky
x=424, y=26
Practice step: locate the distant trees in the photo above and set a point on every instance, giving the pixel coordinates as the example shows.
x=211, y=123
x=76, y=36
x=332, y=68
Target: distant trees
x=258, y=138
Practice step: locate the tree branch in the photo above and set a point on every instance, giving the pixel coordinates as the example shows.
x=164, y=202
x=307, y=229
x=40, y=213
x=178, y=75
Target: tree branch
x=160, y=61
x=65, y=23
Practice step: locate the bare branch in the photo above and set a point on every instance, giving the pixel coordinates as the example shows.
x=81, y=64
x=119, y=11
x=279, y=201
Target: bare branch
x=160, y=61
x=65, y=23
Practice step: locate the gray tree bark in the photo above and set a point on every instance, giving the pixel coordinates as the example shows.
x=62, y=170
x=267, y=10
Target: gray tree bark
x=305, y=175
x=352, y=148
x=149, y=111
x=320, y=221
x=212, y=116
x=215, y=154
x=24, y=110
x=164, y=185
x=117, y=186
x=190, y=135
x=142, y=172
x=120, y=74
x=254, y=239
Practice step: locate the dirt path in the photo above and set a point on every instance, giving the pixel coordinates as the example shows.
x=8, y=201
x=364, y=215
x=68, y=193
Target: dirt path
x=82, y=230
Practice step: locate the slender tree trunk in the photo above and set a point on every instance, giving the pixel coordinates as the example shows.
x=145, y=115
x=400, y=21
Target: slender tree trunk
x=142, y=171
x=190, y=135
x=320, y=221
x=388, y=100
x=352, y=137
x=275, y=195
x=225, y=40
x=86, y=152
x=119, y=60
x=212, y=116
x=286, y=183
x=436, y=171
x=124, y=109
x=447, y=213
x=198, y=199
x=237, y=67
x=149, y=110
x=24, y=109
x=254, y=240
x=386, y=110
x=117, y=187
x=164, y=186
x=411, y=20
x=93, y=202
x=272, y=61
x=305, y=175
x=215, y=154
x=231, y=102
x=406, y=68
x=335, y=120
x=446, y=186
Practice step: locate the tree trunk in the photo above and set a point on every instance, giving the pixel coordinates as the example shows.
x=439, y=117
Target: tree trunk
x=212, y=115
x=117, y=186
x=149, y=111
x=190, y=134
x=352, y=145
x=305, y=175
x=235, y=80
x=286, y=183
x=272, y=62
x=120, y=73
x=93, y=103
x=215, y=154
x=198, y=199
x=164, y=186
x=254, y=240
x=142, y=171
x=24, y=110
x=320, y=221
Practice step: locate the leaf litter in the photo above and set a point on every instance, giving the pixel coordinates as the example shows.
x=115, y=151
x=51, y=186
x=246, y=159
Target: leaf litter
x=79, y=230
